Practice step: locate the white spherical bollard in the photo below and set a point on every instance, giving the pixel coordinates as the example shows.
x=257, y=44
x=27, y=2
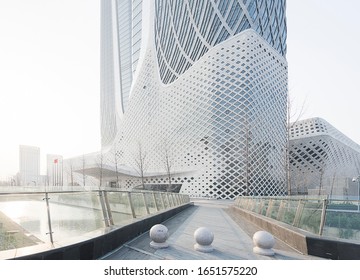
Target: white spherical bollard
x=264, y=242
x=203, y=237
x=159, y=234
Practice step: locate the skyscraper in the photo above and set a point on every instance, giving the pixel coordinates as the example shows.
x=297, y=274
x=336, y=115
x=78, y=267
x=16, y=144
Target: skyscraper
x=195, y=91
x=29, y=165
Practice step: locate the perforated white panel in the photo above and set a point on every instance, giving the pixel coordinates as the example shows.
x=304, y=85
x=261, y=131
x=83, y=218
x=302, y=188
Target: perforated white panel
x=223, y=121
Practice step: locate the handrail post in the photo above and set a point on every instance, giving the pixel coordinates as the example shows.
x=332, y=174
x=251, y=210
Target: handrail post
x=178, y=198
x=280, y=211
x=107, y=204
x=171, y=200
x=162, y=200
x=262, y=204
x=156, y=204
x=49, y=218
x=103, y=208
x=145, y=203
x=168, y=200
x=131, y=205
x=268, y=210
x=298, y=213
x=323, y=216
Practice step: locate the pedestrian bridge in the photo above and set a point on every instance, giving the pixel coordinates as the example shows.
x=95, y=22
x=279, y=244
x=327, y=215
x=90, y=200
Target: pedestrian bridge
x=115, y=224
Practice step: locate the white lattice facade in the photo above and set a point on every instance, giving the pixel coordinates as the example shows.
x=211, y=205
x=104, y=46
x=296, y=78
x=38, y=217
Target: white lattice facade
x=207, y=103
x=322, y=158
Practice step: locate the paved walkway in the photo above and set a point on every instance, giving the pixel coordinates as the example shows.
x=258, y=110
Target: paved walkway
x=232, y=237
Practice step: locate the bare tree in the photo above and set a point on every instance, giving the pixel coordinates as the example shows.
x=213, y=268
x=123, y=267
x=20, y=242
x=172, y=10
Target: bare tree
x=292, y=117
x=332, y=184
x=321, y=177
x=168, y=163
x=100, y=164
x=71, y=172
x=117, y=154
x=140, y=162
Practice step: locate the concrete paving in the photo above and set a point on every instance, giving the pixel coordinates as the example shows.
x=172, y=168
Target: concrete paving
x=232, y=238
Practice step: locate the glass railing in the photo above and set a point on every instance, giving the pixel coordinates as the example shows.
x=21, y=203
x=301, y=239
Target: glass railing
x=343, y=219
x=321, y=215
x=28, y=218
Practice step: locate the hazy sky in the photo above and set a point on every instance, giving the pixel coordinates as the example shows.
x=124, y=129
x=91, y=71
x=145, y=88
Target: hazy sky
x=49, y=72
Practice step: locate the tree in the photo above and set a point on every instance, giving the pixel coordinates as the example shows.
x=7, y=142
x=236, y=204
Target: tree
x=140, y=162
x=167, y=161
x=71, y=172
x=100, y=165
x=292, y=117
x=332, y=184
x=321, y=177
x=117, y=154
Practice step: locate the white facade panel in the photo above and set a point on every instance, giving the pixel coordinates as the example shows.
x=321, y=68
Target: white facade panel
x=322, y=159
x=207, y=104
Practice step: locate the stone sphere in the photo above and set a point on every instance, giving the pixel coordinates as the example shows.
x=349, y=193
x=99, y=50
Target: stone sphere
x=159, y=233
x=203, y=236
x=263, y=239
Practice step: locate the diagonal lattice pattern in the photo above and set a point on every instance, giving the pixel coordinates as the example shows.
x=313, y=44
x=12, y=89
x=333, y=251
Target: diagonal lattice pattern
x=319, y=153
x=224, y=121
x=207, y=98
x=186, y=30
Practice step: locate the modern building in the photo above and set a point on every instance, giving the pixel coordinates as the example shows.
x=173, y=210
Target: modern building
x=54, y=170
x=193, y=96
x=29, y=165
x=323, y=160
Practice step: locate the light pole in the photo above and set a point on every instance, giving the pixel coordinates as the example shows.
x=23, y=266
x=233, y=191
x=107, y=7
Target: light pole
x=357, y=179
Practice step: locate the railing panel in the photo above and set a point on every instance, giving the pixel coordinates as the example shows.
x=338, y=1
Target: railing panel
x=264, y=208
x=74, y=214
x=138, y=203
x=159, y=201
x=275, y=205
x=23, y=221
x=288, y=211
x=311, y=216
x=165, y=200
x=120, y=207
x=334, y=218
x=28, y=219
x=151, y=202
x=343, y=220
x=170, y=199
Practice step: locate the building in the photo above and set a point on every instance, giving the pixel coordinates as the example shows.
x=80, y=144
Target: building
x=54, y=170
x=198, y=98
x=193, y=97
x=29, y=165
x=121, y=33
x=322, y=159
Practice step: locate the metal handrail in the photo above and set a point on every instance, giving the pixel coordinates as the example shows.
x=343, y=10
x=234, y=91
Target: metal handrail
x=148, y=199
x=313, y=214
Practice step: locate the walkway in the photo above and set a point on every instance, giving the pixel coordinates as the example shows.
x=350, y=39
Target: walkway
x=232, y=237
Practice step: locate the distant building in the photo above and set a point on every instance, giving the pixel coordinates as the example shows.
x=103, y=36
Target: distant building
x=54, y=170
x=29, y=165
x=322, y=159
x=82, y=170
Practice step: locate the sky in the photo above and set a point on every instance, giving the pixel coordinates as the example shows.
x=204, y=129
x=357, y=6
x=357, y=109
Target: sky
x=50, y=77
